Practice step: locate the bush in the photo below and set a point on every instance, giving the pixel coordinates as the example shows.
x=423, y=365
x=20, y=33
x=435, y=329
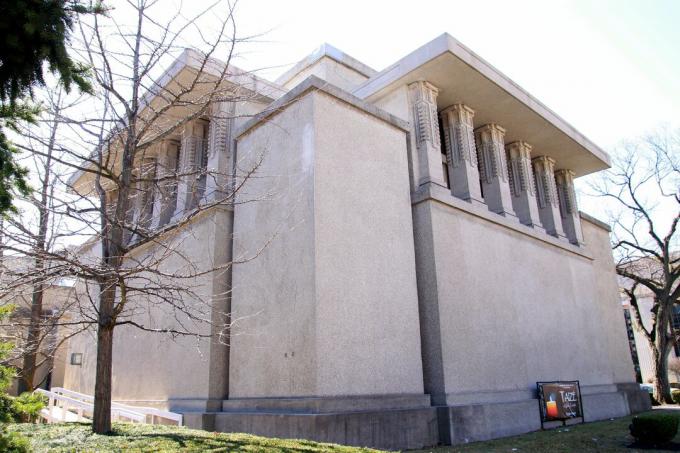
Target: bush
x=28, y=406
x=676, y=396
x=7, y=414
x=654, y=429
x=13, y=442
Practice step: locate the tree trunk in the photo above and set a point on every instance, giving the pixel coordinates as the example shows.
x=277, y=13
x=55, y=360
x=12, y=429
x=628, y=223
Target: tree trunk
x=662, y=388
x=35, y=327
x=101, y=417
x=32, y=341
x=661, y=348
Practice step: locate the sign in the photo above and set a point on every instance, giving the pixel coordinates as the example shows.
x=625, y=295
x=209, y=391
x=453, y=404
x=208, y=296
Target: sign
x=559, y=400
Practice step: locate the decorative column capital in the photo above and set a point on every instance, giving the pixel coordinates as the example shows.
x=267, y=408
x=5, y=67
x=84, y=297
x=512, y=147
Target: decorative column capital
x=571, y=220
x=546, y=195
x=464, y=113
x=461, y=153
x=522, y=184
x=493, y=169
x=520, y=171
x=218, y=168
x=423, y=100
x=544, y=168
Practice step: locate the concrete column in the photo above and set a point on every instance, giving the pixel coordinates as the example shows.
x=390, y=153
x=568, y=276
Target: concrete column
x=493, y=169
x=165, y=197
x=546, y=194
x=571, y=220
x=145, y=193
x=461, y=153
x=190, y=161
x=423, y=99
x=219, y=165
x=522, y=185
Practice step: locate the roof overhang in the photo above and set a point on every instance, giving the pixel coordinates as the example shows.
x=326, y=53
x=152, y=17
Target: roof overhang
x=182, y=72
x=463, y=77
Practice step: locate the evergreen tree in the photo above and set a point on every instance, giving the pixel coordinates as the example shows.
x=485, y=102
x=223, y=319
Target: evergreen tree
x=35, y=40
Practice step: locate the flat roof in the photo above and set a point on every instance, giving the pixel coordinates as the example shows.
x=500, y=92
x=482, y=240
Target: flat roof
x=326, y=50
x=464, y=77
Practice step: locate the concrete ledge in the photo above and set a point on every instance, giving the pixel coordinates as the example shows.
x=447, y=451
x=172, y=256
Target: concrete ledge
x=463, y=423
x=199, y=420
x=594, y=221
x=320, y=405
x=390, y=429
x=326, y=50
x=194, y=405
x=638, y=400
x=477, y=422
x=601, y=406
x=443, y=195
x=315, y=83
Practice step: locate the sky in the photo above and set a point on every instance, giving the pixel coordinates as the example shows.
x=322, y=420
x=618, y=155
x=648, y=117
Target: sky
x=611, y=68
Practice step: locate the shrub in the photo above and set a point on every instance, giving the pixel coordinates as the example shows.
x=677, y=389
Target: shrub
x=654, y=429
x=676, y=396
x=28, y=406
x=13, y=443
x=7, y=414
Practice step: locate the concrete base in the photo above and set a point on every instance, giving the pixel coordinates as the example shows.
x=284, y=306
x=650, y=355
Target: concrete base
x=638, y=400
x=388, y=429
x=407, y=421
x=465, y=423
x=476, y=422
x=386, y=422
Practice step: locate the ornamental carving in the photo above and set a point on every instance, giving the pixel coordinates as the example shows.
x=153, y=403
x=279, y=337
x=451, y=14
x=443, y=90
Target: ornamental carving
x=424, y=97
x=491, y=152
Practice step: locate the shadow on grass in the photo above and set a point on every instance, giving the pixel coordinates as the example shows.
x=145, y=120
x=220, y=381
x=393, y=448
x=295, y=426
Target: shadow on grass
x=669, y=446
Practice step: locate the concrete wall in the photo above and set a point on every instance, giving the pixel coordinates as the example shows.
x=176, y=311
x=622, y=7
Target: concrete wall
x=502, y=310
x=331, y=71
x=329, y=307
x=153, y=367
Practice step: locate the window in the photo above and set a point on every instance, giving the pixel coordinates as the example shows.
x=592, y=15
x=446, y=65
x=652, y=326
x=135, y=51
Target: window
x=77, y=358
x=675, y=323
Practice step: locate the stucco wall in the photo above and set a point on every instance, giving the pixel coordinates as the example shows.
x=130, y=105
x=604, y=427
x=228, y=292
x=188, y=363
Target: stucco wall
x=511, y=310
x=155, y=366
x=331, y=71
x=330, y=305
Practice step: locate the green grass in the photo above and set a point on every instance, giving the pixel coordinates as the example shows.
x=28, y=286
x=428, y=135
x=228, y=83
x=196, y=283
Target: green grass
x=601, y=437
x=72, y=437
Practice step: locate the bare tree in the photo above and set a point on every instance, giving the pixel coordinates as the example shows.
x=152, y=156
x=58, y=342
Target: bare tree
x=32, y=327
x=643, y=186
x=124, y=195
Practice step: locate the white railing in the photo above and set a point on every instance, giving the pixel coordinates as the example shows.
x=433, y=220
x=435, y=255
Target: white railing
x=62, y=401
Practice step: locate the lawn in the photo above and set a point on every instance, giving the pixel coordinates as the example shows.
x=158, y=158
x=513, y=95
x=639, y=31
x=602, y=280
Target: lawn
x=601, y=437
x=70, y=437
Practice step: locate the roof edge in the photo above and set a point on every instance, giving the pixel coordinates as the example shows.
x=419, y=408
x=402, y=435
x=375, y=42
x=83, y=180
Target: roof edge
x=326, y=50
x=594, y=221
x=315, y=83
x=445, y=43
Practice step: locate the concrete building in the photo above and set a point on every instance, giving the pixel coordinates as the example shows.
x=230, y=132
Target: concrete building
x=58, y=296
x=425, y=265
x=641, y=352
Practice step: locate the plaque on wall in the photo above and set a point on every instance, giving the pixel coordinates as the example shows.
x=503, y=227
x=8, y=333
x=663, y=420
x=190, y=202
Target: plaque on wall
x=560, y=401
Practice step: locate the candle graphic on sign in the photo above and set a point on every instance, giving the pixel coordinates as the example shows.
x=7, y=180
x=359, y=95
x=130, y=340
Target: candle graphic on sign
x=551, y=407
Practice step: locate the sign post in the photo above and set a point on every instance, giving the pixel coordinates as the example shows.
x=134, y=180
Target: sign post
x=560, y=401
